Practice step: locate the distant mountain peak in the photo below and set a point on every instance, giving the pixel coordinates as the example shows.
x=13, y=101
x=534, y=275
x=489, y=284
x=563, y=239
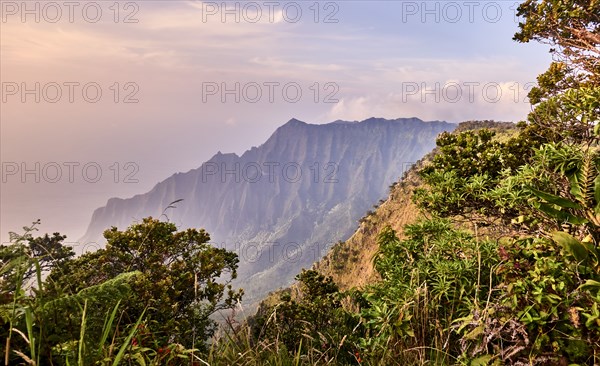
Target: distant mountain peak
x=295, y=121
x=339, y=121
x=221, y=155
x=380, y=119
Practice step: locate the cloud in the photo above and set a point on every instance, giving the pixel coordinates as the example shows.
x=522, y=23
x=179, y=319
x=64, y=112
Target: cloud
x=452, y=101
x=281, y=64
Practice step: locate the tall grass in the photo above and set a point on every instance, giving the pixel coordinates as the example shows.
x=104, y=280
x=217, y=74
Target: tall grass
x=25, y=322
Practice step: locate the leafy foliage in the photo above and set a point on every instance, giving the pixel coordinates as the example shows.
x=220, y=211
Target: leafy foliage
x=547, y=280
x=435, y=276
x=542, y=302
x=147, y=297
x=178, y=283
x=572, y=27
x=572, y=116
x=467, y=166
x=312, y=320
x=18, y=258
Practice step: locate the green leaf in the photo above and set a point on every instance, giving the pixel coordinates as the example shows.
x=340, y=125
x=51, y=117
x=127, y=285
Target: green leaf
x=590, y=284
x=562, y=215
x=82, y=335
x=556, y=200
x=475, y=332
x=571, y=245
x=31, y=336
x=108, y=322
x=481, y=360
x=127, y=342
x=597, y=194
x=139, y=358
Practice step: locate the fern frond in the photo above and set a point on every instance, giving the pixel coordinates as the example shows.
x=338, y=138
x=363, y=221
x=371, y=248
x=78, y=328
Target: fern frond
x=583, y=189
x=110, y=290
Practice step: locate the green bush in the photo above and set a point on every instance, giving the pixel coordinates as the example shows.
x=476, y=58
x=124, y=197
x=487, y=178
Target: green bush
x=435, y=276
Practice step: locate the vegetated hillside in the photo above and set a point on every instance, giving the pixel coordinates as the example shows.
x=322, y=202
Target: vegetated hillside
x=496, y=262
x=350, y=263
x=283, y=204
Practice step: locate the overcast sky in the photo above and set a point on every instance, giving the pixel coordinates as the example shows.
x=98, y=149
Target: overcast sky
x=132, y=92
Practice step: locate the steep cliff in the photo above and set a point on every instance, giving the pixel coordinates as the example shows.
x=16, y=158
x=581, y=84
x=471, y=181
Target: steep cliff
x=284, y=204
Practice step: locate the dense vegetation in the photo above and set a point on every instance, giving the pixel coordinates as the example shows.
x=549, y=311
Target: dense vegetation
x=146, y=298
x=503, y=267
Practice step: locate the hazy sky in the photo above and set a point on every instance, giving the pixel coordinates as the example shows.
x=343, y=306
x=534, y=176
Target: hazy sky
x=132, y=92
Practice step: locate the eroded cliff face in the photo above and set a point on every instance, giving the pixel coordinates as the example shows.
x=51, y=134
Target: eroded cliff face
x=284, y=204
x=350, y=263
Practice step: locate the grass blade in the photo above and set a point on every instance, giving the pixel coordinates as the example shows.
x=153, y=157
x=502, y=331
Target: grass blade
x=128, y=340
x=82, y=335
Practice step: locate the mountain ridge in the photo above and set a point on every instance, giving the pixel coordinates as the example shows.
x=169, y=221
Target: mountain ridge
x=283, y=204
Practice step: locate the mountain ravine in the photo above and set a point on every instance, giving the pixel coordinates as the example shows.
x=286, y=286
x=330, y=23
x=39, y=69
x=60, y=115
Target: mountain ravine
x=283, y=204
